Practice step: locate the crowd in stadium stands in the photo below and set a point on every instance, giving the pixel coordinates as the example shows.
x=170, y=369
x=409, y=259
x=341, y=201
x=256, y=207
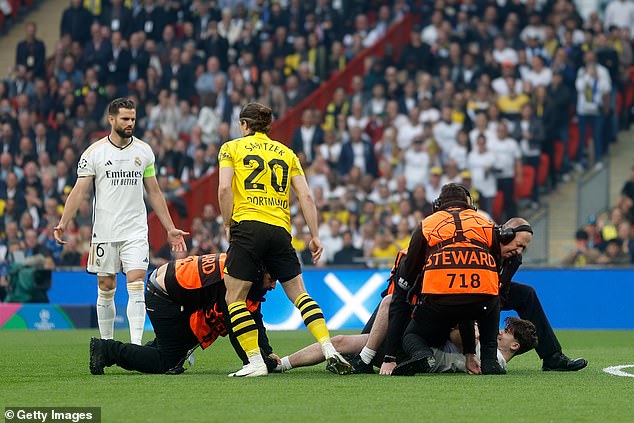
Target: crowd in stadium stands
x=607, y=238
x=478, y=96
x=480, y=93
x=189, y=65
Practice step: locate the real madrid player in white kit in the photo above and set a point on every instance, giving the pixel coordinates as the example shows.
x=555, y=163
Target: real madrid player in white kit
x=119, y=166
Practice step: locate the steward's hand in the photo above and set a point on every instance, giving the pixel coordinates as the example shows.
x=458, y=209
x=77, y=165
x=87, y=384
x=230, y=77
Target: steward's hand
x=386, y=368
x=472, y=365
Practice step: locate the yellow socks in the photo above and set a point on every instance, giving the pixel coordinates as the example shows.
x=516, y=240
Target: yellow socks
x=313, y=317
x=244, y=328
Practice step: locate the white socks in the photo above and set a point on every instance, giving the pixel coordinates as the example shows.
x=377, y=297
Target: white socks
x=136, y=311
x=106, y=312
x=367, y=355
x=257, y=359
x=328, y=350
x=286, y=364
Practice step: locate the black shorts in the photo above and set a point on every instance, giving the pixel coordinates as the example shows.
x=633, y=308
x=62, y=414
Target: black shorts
x=256, y=243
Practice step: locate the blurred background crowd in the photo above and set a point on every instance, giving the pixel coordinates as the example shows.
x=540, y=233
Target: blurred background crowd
x=485, y=93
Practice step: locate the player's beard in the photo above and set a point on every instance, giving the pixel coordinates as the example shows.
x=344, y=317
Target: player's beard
x=123, y=133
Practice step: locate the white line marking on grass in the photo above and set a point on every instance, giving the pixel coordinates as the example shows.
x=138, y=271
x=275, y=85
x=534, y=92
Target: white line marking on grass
x=616, y=370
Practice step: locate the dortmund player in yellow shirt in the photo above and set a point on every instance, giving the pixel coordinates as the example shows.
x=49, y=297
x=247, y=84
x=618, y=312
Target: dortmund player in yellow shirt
x=256, y=176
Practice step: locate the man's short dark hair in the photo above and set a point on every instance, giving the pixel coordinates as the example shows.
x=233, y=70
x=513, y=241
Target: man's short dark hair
x=120, y=103
x=451, y=193
x=582, y=235
x=523, y=331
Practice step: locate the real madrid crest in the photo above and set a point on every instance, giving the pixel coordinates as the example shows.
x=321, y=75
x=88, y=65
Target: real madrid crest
x=137, y=161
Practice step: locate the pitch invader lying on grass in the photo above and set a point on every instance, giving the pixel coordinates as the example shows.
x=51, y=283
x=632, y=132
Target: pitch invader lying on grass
x=517, y=337
x=185, y=301
x=369, y=349
x=514, y=236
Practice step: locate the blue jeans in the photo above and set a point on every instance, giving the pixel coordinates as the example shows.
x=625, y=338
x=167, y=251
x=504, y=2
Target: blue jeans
x=596, y=122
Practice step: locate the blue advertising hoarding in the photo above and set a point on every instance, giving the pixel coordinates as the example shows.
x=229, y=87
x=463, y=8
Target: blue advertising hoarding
x=572, y=298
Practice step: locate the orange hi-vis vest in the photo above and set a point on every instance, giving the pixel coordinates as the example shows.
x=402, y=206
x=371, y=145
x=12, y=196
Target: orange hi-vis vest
x=208, y=324
x=196, y=280
x=196, y=283
x=459, y=259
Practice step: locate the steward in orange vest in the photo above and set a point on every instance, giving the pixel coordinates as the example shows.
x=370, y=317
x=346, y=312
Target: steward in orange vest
x=185, y=301
x=452, y=262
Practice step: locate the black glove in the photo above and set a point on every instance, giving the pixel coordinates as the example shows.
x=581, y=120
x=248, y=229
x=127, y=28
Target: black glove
x=271, y=363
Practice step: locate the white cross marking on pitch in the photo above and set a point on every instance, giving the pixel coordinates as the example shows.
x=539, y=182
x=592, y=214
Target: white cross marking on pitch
x=353, y=304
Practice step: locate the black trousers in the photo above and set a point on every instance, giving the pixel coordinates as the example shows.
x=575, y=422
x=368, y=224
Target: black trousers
x=433, y=321
x=507, y=186
x=523, y=299
x=174, y=339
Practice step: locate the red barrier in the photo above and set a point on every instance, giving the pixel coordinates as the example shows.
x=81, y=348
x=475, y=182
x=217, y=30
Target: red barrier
x=525, y=189
x=542, y=171
x=204, y=191
x=559, y=155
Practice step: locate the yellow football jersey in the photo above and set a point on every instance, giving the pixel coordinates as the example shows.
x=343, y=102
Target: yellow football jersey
x=263, y=169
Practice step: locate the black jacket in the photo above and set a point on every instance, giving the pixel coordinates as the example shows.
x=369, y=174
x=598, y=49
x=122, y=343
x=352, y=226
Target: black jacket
x=347, y=255
x=76, y=21
x=33, y=56
x=119, y=19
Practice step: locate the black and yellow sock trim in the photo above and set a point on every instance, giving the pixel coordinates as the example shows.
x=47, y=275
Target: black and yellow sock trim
x=309, y=308
x=244, y=327
x=313, y=317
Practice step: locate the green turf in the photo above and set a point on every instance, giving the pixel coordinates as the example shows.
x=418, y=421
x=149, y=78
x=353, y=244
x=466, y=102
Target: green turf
x=51, y=369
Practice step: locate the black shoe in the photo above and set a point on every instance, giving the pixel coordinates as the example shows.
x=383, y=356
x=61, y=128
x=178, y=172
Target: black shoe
x=492, y=367
x=97, y=358
x=559, y=362
x=416, y=364
x=359, y=366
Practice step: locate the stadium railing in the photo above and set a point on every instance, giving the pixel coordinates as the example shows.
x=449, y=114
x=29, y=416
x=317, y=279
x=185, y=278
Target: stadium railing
x=593, y=193
x=537, y=252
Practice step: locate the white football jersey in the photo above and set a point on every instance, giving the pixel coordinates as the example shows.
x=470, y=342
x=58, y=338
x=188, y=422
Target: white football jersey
x=119, y=212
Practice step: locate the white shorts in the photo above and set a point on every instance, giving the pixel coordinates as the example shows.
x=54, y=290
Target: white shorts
x=109, y=258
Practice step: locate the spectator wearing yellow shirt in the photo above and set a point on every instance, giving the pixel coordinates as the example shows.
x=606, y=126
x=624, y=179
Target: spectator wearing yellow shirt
x=511, y=104
x=403, y=234
x=317, y=57
x=335, y=209
x=338, y=106
x=384, y=247
x=299, y=227
x=299, y=55
x=609, y=230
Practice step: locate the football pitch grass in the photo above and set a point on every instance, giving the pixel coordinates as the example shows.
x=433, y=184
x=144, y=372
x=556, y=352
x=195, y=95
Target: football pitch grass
x=51, y=369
